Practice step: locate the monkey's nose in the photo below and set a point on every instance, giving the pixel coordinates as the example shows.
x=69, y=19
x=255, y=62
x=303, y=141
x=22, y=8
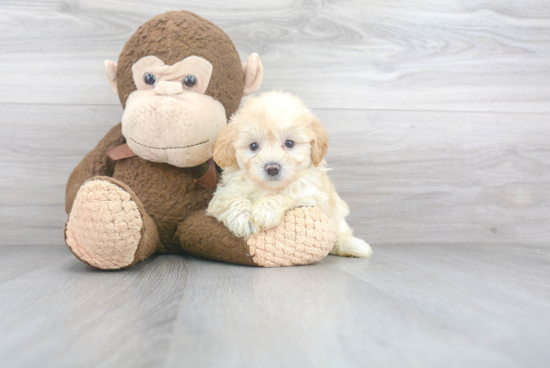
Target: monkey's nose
x=168, y=88
x=272, y=169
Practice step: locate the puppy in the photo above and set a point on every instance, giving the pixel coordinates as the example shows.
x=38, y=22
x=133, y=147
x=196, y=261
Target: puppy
x=272, y=152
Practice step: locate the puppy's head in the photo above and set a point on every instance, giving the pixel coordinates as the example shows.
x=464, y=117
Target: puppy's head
x=274, y=137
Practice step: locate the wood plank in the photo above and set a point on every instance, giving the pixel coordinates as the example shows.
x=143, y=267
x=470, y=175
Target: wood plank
x=455, y=55
x=329, y=315
x=409, y=177
x=425, y=305
x=39, y=148
x=18, y=260
x=68, y=314
x=415, y=177
x=42, y=144
x=32, y=225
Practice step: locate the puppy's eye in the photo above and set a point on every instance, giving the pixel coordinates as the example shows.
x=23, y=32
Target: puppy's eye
x=150, y=79
x=254, y=146
x=289, y=143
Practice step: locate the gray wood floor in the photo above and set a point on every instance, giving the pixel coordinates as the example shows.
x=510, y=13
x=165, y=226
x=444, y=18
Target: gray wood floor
x=439, y=116
x=409, y=306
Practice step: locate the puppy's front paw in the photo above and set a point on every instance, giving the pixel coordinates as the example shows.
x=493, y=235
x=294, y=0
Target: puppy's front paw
x=266, y=214
x=239, y=224
x=354, y=247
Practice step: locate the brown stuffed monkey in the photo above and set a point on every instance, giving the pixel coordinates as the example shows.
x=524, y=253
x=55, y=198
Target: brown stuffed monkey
x=145, y=187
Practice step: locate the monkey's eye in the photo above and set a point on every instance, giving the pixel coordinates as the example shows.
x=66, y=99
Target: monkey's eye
x=254, y=146
x=289, y=143
x=189, y=81
x=150, y=79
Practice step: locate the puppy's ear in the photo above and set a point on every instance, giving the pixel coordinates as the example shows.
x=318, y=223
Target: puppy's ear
x=320, y=144
x=224, y=152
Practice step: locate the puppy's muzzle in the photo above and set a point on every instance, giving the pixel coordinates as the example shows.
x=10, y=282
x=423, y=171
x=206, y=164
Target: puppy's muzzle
x=272, y=169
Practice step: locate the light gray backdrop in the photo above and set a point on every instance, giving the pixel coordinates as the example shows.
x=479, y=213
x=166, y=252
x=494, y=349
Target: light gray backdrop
x=439, y=112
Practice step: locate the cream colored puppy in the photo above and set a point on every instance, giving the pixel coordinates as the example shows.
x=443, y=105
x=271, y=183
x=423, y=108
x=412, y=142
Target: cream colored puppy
x=272, y=152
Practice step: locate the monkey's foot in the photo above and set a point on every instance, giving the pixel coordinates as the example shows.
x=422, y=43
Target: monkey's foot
x=106, y=226
x=305, y=235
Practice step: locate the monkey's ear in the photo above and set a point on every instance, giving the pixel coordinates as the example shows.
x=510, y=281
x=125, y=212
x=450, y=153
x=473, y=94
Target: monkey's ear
x=224, y=152
x=253, y=74
x=319, y=145
x=110, y=72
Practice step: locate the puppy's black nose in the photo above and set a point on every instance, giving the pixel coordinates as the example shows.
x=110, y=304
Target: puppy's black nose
x=272, y=169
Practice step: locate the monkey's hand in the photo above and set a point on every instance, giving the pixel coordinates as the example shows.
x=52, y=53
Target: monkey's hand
x=267, y=213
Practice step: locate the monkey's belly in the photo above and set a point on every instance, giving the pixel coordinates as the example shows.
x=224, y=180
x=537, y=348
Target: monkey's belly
x=168, y=193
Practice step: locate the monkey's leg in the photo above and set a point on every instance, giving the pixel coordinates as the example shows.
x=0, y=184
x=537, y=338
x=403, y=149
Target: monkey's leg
x=108, y=227
x=305, y=235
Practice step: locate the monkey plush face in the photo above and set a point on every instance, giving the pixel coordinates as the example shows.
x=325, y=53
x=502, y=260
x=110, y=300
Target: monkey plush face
x=179, y=78
x=168, y=118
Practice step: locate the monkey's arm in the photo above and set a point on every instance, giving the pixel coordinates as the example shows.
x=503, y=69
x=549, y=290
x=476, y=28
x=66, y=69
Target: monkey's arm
x=304, y=236
x=95, y=163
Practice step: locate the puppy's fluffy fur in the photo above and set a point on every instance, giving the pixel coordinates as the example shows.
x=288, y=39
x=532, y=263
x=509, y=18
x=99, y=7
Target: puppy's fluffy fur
x=249, y=198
